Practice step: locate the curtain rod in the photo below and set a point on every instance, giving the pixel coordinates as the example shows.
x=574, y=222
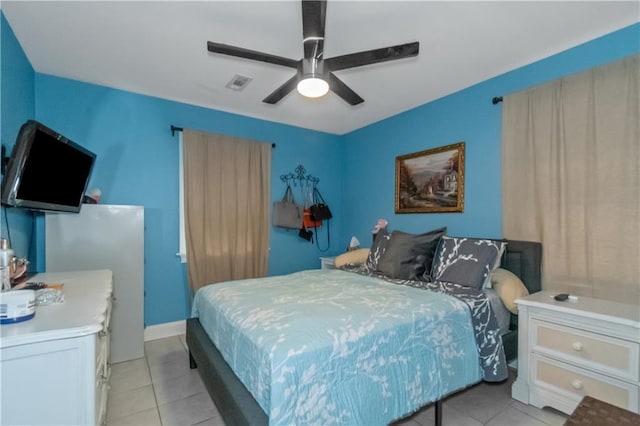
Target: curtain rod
x=175, y=129
x=496, y=100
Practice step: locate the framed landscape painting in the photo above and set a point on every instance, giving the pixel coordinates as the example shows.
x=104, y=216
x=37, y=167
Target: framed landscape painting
x=431, y=181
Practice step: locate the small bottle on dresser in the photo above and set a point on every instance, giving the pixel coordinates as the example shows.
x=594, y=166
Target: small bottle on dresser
x=6, y=254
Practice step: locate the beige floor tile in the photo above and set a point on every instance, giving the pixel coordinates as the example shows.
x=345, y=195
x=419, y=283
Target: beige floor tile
x=164, y=350
x=122, y=404
x=546, y=415
x=178, y=388
x=178, y=365
x=183, y=339
x=512, y=417
x=482, y=401
x=129, y=375
x=128, y=366
x=149, y=417
x=188, y=411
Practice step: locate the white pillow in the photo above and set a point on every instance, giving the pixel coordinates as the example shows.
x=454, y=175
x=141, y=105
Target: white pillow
x=509, y=287
x=353, y=257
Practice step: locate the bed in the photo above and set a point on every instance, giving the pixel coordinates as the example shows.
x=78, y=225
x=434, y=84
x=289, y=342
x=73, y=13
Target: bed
x=328, y=357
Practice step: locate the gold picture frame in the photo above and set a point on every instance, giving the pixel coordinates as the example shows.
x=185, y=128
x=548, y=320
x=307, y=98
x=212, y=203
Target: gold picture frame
x=431, y=181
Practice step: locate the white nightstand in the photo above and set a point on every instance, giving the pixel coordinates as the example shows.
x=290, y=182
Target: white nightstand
x=570, y=349
x=327, y=262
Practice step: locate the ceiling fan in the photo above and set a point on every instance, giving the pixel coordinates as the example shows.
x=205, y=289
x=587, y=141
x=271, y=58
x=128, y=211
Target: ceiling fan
x=315, y=74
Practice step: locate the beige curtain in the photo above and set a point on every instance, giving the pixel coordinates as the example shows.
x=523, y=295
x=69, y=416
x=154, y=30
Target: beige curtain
x=226, y=203
x=571, y=179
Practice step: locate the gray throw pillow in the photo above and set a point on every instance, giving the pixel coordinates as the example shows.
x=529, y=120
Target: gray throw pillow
x=377, y=250
x=410, y=256
x=466, y=261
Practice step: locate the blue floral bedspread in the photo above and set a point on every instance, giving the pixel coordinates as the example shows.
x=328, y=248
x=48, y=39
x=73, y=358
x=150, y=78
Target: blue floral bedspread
x=485, y=325
x=310, y=345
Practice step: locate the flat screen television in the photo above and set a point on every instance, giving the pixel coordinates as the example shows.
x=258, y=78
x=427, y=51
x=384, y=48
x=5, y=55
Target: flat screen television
x=46, y=171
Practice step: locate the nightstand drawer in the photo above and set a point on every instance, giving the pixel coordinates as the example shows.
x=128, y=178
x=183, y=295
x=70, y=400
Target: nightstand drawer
x=584, y=348
x=578, y=383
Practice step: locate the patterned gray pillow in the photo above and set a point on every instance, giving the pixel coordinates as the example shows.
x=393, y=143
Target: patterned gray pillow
x=377, y=250
x=466, y=261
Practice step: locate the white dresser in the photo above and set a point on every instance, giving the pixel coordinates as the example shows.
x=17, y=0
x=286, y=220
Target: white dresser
x=570, y=349
x=55, y=367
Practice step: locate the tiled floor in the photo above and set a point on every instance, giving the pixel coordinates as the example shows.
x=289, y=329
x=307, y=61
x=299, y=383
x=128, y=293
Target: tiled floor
x=160, y=389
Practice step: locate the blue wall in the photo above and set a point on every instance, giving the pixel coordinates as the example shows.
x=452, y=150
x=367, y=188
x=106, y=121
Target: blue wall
x=17, y=105
x=137, y=163
x=137, y=157
x=469, y=116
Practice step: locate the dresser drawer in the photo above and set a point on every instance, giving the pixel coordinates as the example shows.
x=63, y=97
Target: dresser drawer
x=576, y=382
x=595, y=351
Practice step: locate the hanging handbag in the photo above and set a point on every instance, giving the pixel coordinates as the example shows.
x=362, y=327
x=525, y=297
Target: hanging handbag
x=305, y=234
x=286, y=213
x=321, y=212
x=308, y=221
x=319, y=209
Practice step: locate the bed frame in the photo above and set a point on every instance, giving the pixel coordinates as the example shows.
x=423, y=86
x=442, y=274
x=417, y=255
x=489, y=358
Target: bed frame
x=238, y=407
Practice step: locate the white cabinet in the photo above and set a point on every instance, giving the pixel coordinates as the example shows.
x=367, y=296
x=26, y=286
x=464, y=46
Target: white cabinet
x=570, y=349
x=110, y=237
x=55, y=367
x=327, y=262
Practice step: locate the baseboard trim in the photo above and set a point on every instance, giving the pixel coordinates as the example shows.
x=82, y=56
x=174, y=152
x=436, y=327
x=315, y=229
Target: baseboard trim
x=168, y=329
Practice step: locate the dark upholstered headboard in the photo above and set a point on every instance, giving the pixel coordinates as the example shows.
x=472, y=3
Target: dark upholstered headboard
x=524, y=258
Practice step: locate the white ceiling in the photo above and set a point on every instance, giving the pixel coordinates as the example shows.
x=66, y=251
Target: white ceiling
x=158, y=48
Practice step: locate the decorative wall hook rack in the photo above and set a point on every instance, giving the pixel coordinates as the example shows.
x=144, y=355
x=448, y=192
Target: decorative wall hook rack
x=299, y=177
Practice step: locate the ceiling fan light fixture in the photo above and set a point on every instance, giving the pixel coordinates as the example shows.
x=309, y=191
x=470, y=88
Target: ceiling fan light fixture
x=315, y=75
x=313, y=87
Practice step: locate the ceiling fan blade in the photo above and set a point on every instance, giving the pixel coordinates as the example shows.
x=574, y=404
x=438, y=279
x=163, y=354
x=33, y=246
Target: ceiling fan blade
x=344, y=91
x=374, y=56
x=314, y=14
x=282, y=91
x=240, y=52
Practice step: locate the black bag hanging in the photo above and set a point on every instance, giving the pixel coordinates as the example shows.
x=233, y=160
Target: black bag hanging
x=319, y=209
x=305, y=234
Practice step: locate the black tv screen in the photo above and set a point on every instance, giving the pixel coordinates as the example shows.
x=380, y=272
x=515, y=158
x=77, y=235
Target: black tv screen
x=46, y=171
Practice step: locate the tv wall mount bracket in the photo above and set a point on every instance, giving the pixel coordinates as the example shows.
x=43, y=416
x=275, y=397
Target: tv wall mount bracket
x=4, y=160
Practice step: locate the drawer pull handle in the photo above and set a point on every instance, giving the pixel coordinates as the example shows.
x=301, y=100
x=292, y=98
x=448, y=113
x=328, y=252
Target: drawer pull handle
x=576, y=384
x=577, y=346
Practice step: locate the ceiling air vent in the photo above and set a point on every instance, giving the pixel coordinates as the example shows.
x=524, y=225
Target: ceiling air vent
x=238, y=82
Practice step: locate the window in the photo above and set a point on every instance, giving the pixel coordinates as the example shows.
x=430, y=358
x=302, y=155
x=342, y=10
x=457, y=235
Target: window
x=182, y=252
